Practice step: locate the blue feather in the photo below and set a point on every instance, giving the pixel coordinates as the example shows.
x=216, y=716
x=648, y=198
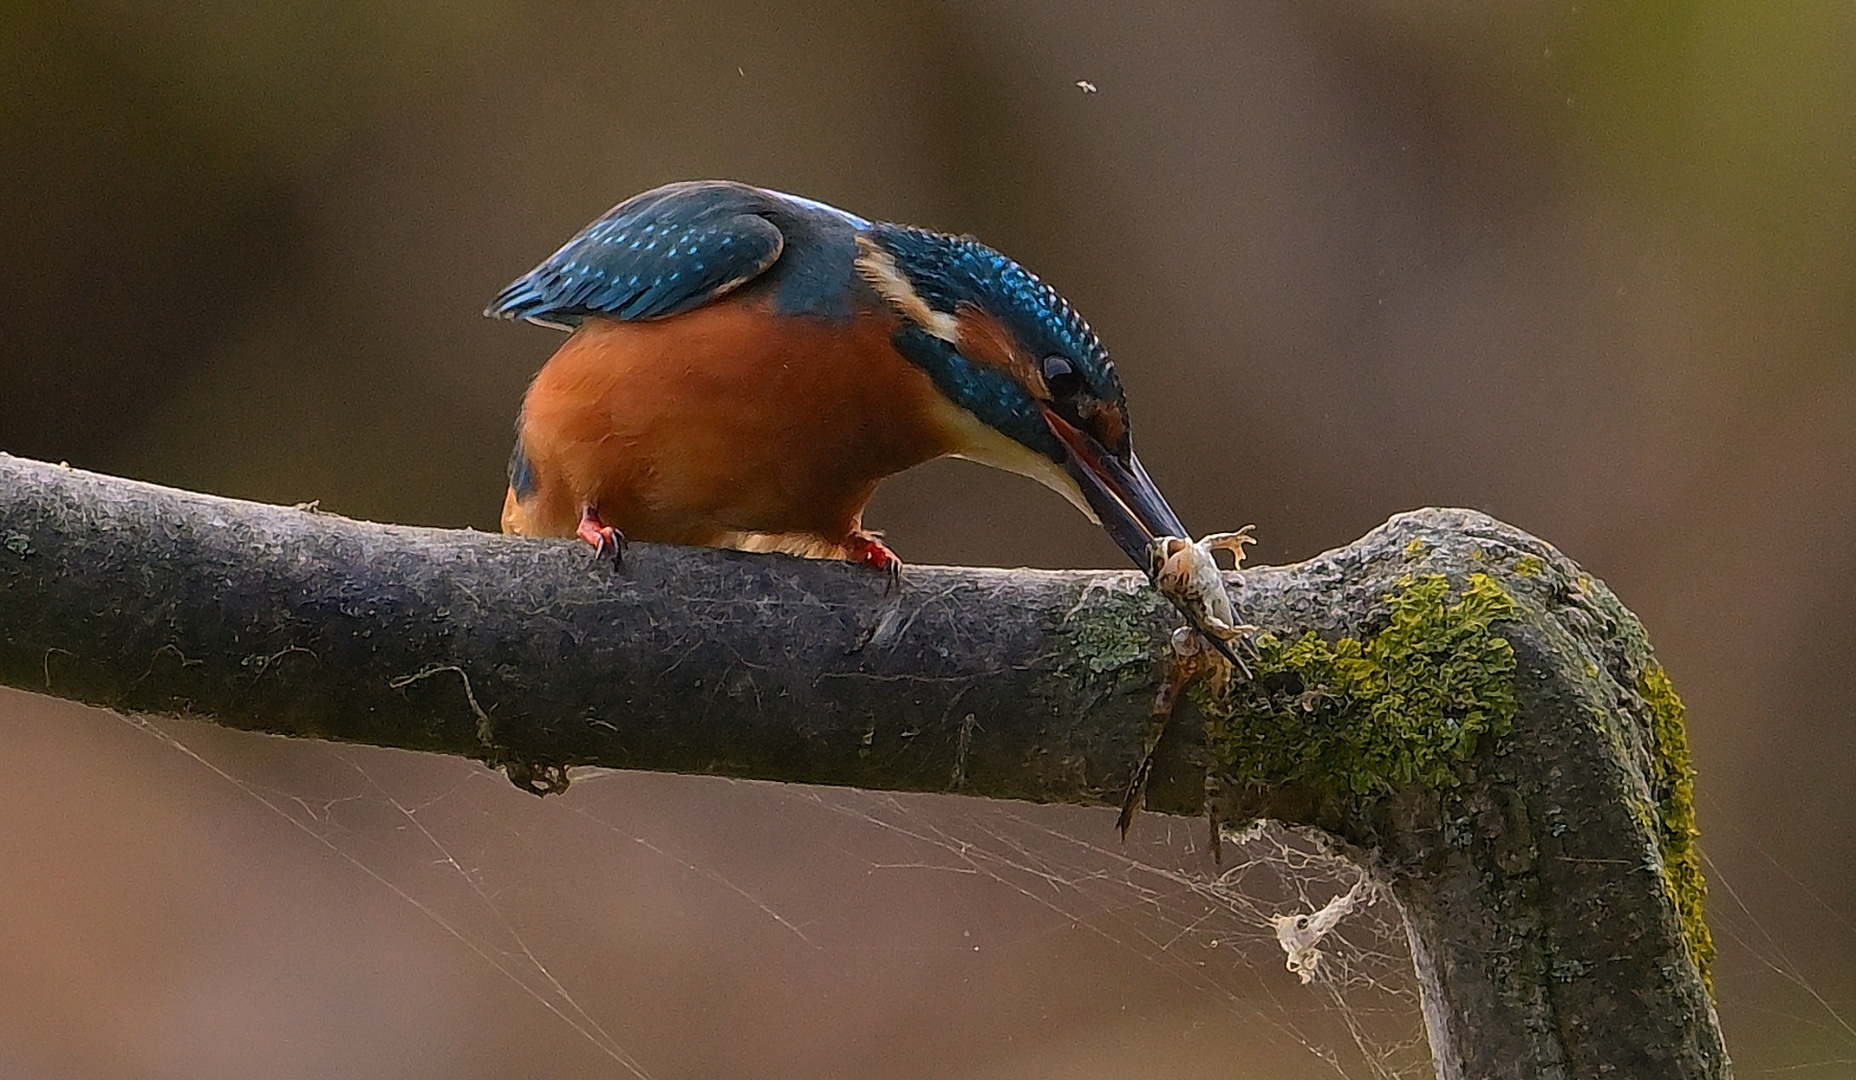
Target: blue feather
x=521, y=473
x=652, y=256
x=949, y=270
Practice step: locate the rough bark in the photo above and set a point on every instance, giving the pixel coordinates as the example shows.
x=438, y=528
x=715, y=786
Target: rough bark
x=1542, y=876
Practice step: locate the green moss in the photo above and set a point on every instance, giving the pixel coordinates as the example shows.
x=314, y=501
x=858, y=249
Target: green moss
x=1673, y=785
x=1358, y=717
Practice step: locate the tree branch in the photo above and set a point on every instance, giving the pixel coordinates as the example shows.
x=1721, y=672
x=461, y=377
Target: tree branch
x=1477, y=721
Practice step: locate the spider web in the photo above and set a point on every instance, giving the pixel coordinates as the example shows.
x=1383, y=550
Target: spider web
x=1015, y=887
x=843, y=894
x=1216, y=929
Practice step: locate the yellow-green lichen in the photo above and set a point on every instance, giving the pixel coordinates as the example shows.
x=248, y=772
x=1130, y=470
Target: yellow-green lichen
x=1359, y=717
x=1111, y=632
x=1673, y=785
x=1529, y=566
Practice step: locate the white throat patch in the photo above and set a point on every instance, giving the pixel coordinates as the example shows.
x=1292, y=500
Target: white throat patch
x=977, y=442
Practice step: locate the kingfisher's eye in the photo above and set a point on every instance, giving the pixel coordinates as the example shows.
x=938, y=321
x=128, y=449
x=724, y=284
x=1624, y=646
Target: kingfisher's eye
x=1062, y=377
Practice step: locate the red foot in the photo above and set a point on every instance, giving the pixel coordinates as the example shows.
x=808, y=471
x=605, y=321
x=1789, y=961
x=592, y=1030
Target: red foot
x=602, y=536
x=865, y=548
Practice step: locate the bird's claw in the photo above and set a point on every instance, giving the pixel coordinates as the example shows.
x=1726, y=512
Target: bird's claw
x=604, y=538
x=868, y=549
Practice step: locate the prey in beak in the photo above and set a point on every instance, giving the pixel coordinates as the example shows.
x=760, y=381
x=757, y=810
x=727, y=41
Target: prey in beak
x=1136, y=516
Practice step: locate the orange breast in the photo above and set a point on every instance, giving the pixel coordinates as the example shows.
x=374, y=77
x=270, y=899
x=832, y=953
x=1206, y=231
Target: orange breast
x=720, y=421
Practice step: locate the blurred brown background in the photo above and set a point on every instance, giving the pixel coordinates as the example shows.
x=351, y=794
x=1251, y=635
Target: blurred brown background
x=1588, y=267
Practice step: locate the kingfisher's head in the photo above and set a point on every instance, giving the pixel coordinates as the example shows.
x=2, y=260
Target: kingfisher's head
x=1028, y=386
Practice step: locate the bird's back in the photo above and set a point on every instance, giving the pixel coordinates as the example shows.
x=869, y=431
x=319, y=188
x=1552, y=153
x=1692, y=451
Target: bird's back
x=678, y=247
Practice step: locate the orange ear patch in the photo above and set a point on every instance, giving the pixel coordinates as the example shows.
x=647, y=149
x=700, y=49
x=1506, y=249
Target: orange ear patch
x=1107, y=424
x=984, y=341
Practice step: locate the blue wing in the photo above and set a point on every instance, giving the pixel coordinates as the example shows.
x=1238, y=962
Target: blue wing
x=654, y=255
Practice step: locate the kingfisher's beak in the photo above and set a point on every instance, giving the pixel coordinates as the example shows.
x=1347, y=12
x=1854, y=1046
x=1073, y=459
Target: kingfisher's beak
x=1131, y=509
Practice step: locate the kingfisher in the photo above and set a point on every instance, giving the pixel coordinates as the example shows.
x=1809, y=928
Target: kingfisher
x=744, y=366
